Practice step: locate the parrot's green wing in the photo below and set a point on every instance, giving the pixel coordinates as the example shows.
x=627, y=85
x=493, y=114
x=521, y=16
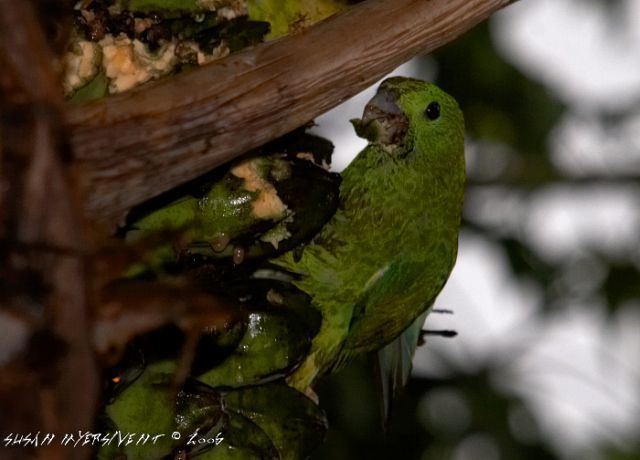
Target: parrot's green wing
x=393, y=364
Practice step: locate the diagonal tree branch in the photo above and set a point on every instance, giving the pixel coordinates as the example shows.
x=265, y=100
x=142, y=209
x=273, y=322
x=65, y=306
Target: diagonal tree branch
x=133, y=146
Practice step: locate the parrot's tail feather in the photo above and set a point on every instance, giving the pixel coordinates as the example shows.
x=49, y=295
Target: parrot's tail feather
x=393, y=365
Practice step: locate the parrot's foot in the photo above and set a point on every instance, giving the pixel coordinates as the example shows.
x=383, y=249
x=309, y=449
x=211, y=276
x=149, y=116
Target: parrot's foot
x=312, y=395
x=302, y=378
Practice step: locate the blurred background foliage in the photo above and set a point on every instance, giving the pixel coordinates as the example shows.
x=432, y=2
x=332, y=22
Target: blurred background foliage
x=525, y=180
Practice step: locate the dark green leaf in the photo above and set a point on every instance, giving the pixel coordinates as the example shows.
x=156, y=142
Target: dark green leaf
x=273, y=344
x=295, y=424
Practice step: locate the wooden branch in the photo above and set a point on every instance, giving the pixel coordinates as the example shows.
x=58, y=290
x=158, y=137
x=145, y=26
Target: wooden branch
x=136, y=145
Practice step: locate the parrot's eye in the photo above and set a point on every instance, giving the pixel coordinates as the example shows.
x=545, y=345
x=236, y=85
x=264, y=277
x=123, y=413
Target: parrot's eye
x=433, y=111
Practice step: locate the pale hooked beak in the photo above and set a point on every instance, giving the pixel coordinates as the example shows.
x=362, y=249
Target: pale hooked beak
x=382, y=121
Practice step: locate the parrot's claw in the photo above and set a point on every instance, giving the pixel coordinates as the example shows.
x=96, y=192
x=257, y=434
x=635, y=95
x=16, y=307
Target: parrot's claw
x=444, y=311
x=312, y=395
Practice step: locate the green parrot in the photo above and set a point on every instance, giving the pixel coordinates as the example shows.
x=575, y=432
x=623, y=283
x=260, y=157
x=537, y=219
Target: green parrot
x=382, y=259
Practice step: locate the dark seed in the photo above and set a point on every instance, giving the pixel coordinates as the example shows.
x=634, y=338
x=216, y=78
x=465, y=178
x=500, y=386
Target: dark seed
x=123, y=23
x=96, y=31
x=186, y=55
x=154, y=34
x=238, y=255
x=155, y=17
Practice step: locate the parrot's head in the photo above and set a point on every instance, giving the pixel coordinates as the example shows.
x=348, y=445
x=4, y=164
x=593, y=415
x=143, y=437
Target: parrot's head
x=407, y=115
x=421, y=130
